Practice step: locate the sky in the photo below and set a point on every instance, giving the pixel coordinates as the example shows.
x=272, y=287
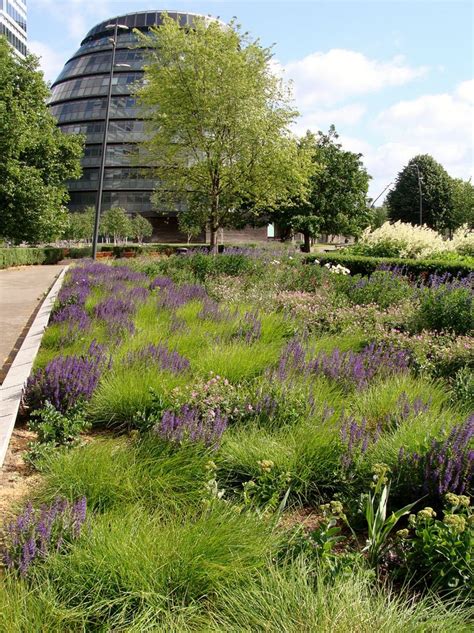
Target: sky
x=395, y=77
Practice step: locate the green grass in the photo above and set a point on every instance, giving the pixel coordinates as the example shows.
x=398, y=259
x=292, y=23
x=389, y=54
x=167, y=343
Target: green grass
x=296, y=598
x=157, y=553
x=114, y=472
x=136, y=564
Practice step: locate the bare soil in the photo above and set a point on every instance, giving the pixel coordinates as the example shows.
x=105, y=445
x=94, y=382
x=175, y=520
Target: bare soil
x=17, y=478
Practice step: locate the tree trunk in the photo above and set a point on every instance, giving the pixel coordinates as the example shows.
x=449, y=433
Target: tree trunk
x=307, y=243
x=213, y=224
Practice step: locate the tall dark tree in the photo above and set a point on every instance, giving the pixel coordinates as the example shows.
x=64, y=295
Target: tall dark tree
x=337, y=199
x=437, y=195
x=36, y=158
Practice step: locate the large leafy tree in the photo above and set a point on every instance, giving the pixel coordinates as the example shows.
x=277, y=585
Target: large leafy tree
x=437, y=194
x=337, y=198
x=219, y=123
x=36, y=158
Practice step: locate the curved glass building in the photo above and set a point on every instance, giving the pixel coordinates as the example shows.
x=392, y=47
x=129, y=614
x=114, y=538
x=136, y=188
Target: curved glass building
x=78, y=101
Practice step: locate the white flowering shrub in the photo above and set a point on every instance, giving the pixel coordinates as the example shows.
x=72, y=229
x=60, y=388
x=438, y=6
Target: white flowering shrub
x=337, y=269
x=463, y=241
x=404, y=240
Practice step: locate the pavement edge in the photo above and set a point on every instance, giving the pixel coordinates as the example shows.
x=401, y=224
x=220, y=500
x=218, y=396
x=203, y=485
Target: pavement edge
x=12, y=387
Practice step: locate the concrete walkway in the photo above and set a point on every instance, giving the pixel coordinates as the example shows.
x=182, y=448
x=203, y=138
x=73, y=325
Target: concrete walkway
x=21, y=291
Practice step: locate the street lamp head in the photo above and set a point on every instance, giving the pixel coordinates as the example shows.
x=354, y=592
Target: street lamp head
x=122, y=66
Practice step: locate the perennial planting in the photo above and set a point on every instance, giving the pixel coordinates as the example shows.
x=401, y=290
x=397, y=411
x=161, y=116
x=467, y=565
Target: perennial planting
x=264, y=427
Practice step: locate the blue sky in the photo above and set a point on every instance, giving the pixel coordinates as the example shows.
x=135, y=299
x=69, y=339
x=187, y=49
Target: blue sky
x=396, y=78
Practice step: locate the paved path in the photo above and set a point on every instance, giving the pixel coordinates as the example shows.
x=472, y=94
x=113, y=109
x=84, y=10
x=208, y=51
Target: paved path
x=21, y=291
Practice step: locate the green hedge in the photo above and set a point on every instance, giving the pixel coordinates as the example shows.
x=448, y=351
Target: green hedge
x=29, y=256
x=20, y=256
x=358, y=264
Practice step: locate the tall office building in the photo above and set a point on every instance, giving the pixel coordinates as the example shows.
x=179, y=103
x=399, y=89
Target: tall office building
x=78, y=101
x=13, y=24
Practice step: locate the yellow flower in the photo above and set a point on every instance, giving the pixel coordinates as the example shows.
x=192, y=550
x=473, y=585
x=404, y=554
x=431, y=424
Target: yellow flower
x=455, y=522
x=403, y=534
x=426, y=513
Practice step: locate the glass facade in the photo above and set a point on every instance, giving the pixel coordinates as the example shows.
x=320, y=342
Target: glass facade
x=78, y=101
x=13, y=24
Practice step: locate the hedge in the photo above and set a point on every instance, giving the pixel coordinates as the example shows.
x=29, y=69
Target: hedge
x=20, y=256
x=28, y=256
x=359, y=264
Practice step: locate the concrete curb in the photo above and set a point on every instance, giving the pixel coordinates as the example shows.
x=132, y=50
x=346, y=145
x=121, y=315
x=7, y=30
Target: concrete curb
x=12, y=387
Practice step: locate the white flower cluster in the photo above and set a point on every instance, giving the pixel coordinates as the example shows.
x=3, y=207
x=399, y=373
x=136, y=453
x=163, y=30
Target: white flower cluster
x=337, y=269
x=463, y=241
x=415, y=242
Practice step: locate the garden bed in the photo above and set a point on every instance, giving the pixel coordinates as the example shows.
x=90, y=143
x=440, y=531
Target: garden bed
x=257, y=417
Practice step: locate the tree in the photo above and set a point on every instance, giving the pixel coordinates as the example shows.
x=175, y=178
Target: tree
x=80, y=225
x=437, y=196
x=219, y=123
x=337, y=198
x=463, y=202
x=115, y=223
x=141, y=228
x=36, y=158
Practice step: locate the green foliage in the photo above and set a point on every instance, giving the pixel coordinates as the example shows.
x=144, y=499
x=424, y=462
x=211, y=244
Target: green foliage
x=218, y=123
x=463, y=202
x=296, y=597
x=133, y=566
x=336, y=202
x=29, y=256
x=437, y=195
x=266, y=490
x=378, y=216
x=439, y=552
x=36, y=158
x=80, y=225
x=463, y=388
x=55, y=429
x=113, y=473
x=358, y=264
x=375, y=510
x=115, y=223
x=381, y=288
x=445, y=309
x=140, y=228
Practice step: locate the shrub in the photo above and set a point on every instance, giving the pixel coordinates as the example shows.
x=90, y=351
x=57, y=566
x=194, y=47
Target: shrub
x=403, y=240
x=445, y=308
x=363, y=265
x=382, y=288
x=439, y=551
x=55, y=429
x=463, y=241
x=19, y=256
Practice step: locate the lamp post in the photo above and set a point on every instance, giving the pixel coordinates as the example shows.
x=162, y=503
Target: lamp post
x=98, y=203
x=420, y=192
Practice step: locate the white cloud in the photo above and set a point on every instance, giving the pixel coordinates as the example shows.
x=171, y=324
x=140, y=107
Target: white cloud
x=51, y=61
x=335, y=76
x=438, y=124
x=321, y=118
x=465, y=91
